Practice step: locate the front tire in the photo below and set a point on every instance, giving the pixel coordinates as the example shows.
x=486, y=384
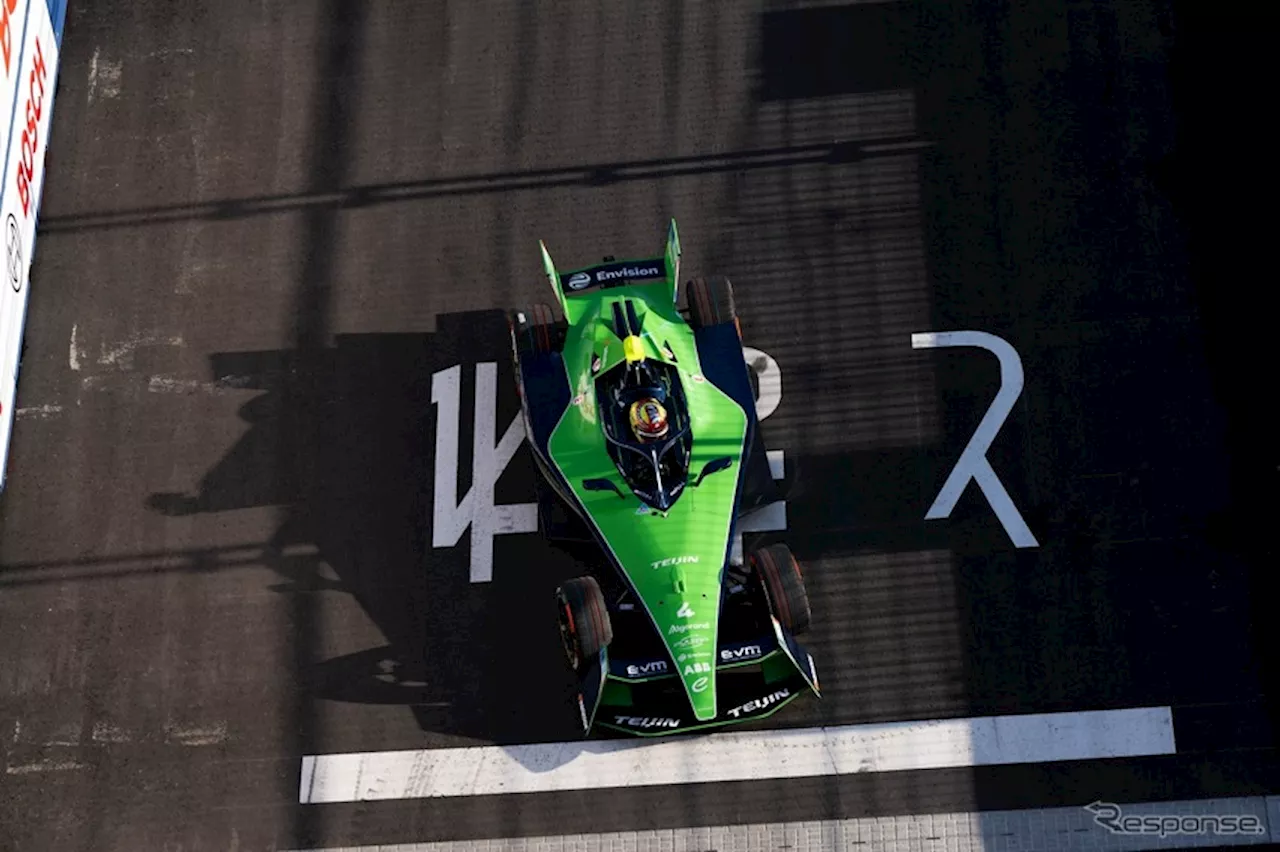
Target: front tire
x=585, y=627
x=782, y=584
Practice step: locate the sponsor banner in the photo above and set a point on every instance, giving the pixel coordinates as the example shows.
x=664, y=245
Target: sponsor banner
x=751, y=705
x=612, y=274
x=30, y=34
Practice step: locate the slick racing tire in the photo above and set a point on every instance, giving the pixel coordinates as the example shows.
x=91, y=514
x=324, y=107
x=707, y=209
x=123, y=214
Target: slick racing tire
x=584, y=621
x=710, y=302
x=535, y=330
x=783, y=586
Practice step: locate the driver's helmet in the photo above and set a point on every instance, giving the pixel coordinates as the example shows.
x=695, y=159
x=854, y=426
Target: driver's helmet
x=648, y=419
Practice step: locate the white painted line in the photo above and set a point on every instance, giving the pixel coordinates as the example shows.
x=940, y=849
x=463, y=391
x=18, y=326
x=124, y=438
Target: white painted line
x=489, y=458
x=73, y=354
x=973, y=463
x=1065, y=829
x=40, y=412
x=768, y=380
x=47, y=765
x=752, y=755
x=777, y=463
x=768, y=518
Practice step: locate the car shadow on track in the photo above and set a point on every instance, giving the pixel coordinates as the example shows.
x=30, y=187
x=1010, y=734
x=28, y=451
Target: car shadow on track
x=472, y=659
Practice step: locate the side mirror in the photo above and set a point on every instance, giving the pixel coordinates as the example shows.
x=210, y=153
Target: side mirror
x=714, y=466
x=603, y=485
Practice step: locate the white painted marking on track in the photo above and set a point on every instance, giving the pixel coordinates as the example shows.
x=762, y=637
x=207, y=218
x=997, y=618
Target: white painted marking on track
x=121, y=355
x=973, y=463
x=73, y=354
x=777, y=463
x=179, y=385
x=49, y=765
x=753, y=755
x=104, y=77
x=39, y=412
x=196, y=735
x=104, y=732
x=768, y=518
x=450, y=516
x=768, y=378
x=1070, y=829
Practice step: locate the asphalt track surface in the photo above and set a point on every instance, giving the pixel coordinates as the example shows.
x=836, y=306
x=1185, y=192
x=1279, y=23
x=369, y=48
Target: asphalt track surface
x=265, y=229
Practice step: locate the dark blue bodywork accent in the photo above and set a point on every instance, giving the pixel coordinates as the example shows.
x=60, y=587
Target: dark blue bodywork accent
x=546, y=392
x=720, y=351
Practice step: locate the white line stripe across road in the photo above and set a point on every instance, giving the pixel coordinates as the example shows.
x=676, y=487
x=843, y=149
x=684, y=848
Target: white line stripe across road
x=752, y=755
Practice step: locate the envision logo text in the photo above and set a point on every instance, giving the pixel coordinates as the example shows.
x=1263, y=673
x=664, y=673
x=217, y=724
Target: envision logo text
x=628, y=272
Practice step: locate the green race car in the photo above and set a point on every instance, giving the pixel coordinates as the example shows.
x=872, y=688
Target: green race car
x=642, y=422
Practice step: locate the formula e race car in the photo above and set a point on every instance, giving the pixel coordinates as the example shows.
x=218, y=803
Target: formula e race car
x=642, y=421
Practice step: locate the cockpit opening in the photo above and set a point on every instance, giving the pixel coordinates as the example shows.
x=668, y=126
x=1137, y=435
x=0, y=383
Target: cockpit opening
x=645, y=417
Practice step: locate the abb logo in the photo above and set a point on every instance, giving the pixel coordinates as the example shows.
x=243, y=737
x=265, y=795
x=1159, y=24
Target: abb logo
x=31, y=133
x=7, y=8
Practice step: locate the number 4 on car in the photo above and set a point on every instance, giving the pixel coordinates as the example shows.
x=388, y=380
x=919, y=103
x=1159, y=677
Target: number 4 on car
x=642, y=420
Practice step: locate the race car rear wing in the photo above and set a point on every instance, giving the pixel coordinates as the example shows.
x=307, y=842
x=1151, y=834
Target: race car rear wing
x=653, y=270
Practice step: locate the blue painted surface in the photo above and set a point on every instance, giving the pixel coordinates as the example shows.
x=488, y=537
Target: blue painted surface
x=58, y=14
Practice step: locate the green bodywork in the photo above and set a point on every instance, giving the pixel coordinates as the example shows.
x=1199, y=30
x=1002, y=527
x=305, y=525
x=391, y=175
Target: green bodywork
x=673, y=559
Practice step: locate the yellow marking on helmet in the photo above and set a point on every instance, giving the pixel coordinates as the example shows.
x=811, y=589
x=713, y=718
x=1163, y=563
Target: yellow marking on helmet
x=633, y=348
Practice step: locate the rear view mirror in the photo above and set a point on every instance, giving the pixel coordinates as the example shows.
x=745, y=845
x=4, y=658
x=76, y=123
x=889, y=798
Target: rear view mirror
x=602, y=485
x=714, y=466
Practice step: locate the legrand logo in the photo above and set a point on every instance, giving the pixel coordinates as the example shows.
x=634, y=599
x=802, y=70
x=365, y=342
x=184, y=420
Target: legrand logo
x=760, y=703
x=685, y=628
x=628, y=272
x=645, y=722
x=676, y=560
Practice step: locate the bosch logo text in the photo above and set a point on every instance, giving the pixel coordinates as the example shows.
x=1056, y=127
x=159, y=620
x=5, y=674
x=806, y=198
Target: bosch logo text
x=31, y=133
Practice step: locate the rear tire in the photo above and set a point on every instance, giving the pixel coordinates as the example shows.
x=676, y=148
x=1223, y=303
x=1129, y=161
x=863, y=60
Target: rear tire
x=535, y=330
x=585, y=627
x=782, y=583
x=710, y=302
